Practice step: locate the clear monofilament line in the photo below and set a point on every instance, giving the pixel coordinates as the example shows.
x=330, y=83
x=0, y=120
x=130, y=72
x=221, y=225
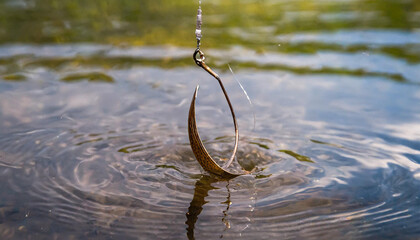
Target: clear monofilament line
x=246, y=94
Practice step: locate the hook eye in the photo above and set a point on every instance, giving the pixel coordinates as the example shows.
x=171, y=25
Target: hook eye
x=198, y=59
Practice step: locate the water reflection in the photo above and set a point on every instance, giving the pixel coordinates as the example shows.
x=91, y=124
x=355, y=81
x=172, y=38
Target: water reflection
x=202, y=187
x=93, y=130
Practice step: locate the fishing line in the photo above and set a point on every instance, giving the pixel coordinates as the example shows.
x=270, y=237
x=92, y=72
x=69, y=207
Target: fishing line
x=246, y=94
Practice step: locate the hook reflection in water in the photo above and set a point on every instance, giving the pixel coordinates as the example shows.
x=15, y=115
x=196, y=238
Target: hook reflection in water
x=225, y=212
x=201, y=190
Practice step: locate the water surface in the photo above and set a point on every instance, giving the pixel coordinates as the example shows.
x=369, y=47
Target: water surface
x=94, y=99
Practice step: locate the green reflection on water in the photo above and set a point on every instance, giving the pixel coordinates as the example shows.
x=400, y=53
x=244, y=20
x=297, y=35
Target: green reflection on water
x=14, y=77
x=165, y=22
x=156, y=22
x=92, y=77
x=297, y=156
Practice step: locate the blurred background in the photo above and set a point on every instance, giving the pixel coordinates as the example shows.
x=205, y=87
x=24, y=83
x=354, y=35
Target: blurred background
x=94, y=97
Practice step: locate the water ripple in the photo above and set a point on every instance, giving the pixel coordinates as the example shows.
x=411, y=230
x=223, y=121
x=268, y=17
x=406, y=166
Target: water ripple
x=105, y=152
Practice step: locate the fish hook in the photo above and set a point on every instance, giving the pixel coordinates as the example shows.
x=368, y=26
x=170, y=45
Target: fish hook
x=200, y=152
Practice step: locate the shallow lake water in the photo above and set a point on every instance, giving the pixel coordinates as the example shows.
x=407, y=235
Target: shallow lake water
x=94, y=98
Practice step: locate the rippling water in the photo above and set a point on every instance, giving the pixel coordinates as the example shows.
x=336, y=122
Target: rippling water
x=93, y=120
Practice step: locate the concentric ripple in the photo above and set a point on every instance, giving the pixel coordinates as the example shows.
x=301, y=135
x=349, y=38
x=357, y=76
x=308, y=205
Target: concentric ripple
x=93, y=120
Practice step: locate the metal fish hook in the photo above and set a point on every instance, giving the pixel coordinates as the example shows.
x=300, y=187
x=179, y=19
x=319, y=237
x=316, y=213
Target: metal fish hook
x=200, y=152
